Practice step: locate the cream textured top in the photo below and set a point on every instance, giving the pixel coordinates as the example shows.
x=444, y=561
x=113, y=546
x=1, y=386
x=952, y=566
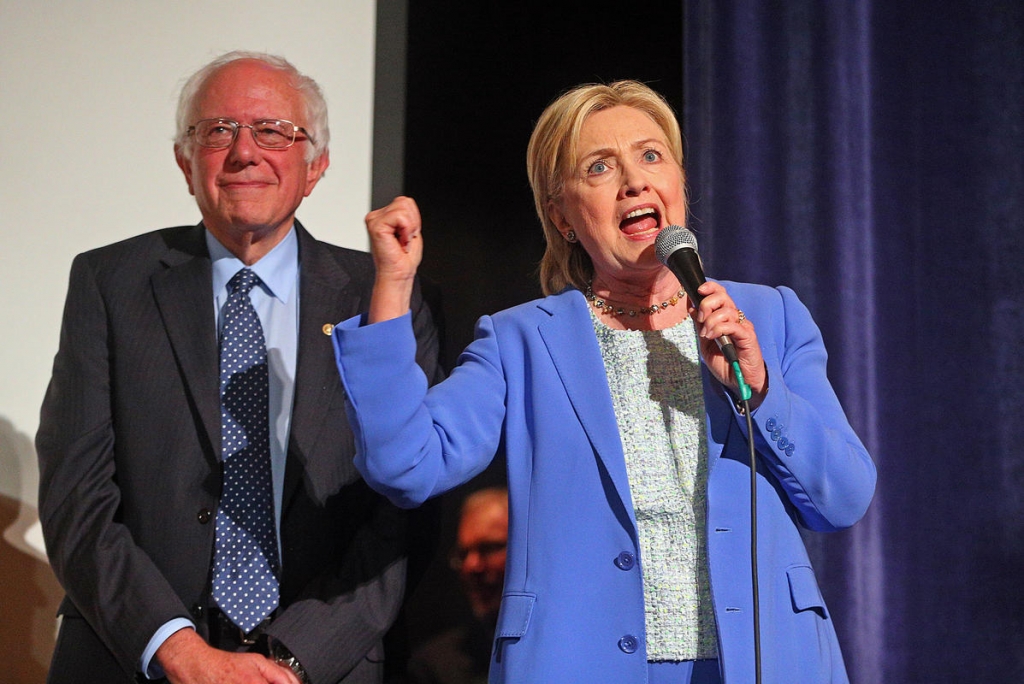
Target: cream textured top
x=657, y=394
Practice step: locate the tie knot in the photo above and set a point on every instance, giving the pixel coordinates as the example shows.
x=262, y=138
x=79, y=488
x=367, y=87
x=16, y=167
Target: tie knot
x=243, y=281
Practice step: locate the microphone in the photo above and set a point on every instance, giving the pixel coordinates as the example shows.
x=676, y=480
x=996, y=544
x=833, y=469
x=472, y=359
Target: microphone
x=676, y=247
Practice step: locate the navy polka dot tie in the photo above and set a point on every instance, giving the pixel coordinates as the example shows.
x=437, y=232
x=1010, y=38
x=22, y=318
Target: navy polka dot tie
x=245, y=563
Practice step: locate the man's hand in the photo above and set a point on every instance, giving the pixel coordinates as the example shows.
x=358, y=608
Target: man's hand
x=187, y=659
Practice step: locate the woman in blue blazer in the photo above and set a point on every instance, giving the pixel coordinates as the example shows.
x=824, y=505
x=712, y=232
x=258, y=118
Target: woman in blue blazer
x=628, y=471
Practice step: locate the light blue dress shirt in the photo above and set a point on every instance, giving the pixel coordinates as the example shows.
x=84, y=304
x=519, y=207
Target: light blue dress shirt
x=276, y=301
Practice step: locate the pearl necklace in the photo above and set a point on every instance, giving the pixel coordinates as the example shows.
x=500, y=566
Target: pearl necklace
x=603, y=306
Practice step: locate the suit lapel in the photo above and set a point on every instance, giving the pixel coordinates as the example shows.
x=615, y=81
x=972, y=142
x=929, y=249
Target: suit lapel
x=323, y=300
x=183, y=297
x=573, y=347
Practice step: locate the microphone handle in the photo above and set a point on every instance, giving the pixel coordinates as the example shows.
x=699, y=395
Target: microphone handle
x=691, y=276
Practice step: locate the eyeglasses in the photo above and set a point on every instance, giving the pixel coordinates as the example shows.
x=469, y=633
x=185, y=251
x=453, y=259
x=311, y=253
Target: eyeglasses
x=484, y=549
x=270, y=134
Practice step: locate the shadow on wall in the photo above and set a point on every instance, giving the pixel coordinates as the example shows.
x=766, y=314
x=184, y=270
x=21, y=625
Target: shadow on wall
x=29, y=592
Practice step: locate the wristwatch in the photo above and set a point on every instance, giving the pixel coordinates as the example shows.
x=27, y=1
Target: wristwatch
x=282, y=656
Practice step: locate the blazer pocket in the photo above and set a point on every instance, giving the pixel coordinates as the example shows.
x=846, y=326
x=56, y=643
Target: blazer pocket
x=803, y=590
x=514, y=617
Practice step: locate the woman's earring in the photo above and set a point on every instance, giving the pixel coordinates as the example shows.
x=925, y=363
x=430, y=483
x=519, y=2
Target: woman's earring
x=570, y=235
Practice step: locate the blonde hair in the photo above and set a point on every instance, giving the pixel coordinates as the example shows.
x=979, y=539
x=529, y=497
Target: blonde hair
x=552, y=154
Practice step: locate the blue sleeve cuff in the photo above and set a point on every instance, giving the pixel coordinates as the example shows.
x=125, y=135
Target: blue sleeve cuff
x=153, y=670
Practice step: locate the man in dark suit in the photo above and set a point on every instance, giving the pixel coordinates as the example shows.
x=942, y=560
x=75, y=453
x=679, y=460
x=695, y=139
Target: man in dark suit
x=137, y=492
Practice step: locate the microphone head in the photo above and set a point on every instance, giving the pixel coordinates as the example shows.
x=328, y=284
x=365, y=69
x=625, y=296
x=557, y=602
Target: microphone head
x=672, y=238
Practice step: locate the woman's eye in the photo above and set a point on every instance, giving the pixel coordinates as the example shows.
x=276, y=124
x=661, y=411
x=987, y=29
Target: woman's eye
x=597, y=167
x=651, y=156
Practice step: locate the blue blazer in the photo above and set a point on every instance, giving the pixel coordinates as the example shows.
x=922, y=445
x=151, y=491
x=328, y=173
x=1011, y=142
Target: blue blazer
x=533, y=383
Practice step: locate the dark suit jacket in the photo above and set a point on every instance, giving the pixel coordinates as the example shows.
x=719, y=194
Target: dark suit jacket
x=129, y=444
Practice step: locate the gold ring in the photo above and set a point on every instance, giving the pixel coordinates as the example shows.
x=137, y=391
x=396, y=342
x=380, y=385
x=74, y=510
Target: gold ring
x=742, y=316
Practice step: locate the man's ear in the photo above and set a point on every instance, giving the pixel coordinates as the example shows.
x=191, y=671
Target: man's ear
x=316, y=171
x=186, y=167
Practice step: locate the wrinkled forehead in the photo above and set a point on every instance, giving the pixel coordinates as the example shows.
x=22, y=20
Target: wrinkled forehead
x=247, y=90
x=618, y=124
x=576, y=140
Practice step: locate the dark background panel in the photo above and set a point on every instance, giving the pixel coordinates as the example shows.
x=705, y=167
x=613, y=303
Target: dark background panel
x=478, y=77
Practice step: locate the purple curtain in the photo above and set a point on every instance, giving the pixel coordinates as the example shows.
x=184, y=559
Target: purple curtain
x=871, y=156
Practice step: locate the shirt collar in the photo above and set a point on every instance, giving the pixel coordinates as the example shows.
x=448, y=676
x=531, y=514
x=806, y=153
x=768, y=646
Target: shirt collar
x=277, y=269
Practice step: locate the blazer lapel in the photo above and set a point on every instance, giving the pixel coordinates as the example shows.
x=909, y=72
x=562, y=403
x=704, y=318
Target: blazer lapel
x=573, y=347
x=183, y=297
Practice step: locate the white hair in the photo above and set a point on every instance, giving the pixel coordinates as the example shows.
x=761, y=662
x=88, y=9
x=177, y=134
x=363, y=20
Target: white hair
x=312, y=98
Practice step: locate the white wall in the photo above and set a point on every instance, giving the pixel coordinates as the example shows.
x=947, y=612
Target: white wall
x=87, y=97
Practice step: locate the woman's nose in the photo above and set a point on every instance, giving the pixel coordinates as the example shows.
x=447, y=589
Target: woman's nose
x=634, y=181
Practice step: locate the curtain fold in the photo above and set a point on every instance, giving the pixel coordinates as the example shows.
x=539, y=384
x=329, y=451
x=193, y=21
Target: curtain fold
x=871, y=156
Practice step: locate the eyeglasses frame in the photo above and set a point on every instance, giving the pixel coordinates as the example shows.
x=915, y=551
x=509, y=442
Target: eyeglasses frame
x=236, y=126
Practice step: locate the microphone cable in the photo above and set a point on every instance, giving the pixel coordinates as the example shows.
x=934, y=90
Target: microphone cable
x=745, y=394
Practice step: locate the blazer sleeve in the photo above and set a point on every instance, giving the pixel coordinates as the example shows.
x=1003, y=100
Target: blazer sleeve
x=412, y=444
x=801, y=431
x=111, y=581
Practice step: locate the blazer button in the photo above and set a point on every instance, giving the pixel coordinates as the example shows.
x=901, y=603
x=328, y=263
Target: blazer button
x=770, y=425
x=776, y=433
x=628, y=644
x=625, y=561
x=790, y=449
x=204, y=515
x=198, y=611
x=783, y=442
